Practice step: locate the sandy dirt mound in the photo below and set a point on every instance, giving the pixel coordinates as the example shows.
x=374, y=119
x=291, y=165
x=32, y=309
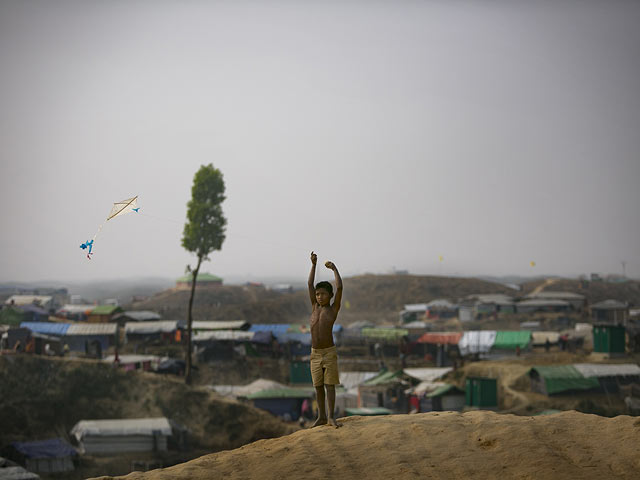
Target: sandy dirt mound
x=443, y=445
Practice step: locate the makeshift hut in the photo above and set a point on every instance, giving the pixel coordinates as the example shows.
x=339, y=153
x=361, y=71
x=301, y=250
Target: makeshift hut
x=110, y=437
x=283, y=402
x=476, y=342
x=510, y=342
x=148, y=332
x=575, y=300
x=543, y=305
x=136, y=316
x=447, y=398
x=440, y=347
x=555, y=379
x=78, y=313
x=221, y=345
x=43, y=456
x=95, y=337
x=610, y=376
x=103, y=313
x=610, y=311
x=387, y=389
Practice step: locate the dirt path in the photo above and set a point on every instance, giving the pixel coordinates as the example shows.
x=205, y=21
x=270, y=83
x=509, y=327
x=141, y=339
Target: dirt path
x=542, y=286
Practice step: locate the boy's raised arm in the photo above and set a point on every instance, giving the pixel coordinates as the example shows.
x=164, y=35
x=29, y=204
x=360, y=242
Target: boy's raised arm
x=312, y=276
x=338, y=298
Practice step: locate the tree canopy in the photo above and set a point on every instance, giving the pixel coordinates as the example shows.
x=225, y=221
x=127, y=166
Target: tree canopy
x=205, y=230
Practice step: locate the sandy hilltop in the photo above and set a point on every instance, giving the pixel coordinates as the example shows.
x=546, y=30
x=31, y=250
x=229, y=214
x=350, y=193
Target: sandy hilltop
x=442, y=445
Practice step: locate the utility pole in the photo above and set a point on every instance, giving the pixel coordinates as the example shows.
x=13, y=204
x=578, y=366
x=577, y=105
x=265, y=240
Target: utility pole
x=624, y=268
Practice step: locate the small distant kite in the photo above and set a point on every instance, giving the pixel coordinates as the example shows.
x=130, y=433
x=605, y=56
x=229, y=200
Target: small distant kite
x=119, y=208
x=532, y=263
x=440, y=257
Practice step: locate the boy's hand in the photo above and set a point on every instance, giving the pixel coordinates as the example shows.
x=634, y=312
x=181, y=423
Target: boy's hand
x=314, y=258
x=330, y=265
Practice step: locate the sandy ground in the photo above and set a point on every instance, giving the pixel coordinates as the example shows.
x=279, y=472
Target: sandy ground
x=444, y=445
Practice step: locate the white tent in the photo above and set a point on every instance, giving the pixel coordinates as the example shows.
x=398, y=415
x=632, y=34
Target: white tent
x=105, y=437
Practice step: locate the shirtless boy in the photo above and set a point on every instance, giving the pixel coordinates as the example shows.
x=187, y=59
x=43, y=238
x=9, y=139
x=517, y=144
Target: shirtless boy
x=324, y=358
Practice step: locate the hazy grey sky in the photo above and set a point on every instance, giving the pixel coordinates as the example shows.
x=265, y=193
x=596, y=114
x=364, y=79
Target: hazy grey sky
x=379, y=134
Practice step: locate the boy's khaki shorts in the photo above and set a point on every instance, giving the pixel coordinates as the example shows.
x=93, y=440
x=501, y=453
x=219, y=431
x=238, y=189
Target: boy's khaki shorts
x=324, y=366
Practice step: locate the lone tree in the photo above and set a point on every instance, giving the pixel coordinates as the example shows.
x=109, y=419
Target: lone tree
x=204, y=231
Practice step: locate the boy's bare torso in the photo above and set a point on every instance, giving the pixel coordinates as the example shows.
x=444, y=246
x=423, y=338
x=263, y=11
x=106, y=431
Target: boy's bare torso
x=322, y=320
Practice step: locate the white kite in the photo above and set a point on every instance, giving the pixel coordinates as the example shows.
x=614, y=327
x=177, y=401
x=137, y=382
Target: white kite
x=119, y=208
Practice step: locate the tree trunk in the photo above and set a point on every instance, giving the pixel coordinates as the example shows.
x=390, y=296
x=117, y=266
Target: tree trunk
x=187, y=376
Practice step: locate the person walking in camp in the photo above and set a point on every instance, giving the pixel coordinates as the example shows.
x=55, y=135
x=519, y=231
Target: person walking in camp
x=324, y=358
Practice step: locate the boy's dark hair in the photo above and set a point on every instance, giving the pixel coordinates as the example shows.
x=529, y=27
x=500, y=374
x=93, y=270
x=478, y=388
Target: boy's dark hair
x=326, y=286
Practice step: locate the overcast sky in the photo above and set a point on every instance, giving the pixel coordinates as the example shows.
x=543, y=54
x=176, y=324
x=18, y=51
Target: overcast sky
x=381, y=135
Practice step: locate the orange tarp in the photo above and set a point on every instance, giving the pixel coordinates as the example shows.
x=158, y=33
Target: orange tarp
x=451, y=338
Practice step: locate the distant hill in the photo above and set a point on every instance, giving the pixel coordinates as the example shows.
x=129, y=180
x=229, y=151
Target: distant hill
x=377, y=298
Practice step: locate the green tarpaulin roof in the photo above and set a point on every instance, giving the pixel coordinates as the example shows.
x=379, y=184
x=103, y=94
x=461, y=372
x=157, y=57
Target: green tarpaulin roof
x=562, y=378
x=447, y=388
x=367, y=411
x=11, y=316
x=281, y=393
x=386, y=333
x=383, y=378
x=106, y=310
x=509, y=340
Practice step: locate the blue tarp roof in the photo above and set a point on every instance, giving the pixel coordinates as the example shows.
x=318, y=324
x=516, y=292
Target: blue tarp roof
x=58, y=329
x=274, y=328
x=52, y=448
x=304, y=338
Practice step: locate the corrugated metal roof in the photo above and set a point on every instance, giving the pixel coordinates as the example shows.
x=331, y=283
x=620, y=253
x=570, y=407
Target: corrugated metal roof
x=28, y=299
x=427, y=374
x=222, y=335
x=444, y=338
x=132, y=426
x=497, y=298
x=161, y=326
x=609, y=305
x=558, y=295
x=562, y=378
x=219, y=325
x=607, y=370
x=55, y=329
x=92, y=329
x=543, y=303
x=416, y=307
x=140, y=315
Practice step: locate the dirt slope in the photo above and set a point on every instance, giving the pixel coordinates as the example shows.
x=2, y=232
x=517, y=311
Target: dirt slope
x=442, y=445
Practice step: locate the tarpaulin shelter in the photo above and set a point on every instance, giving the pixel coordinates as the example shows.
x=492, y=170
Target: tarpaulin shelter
x=511, y=340
x=476, y=341
x=107, y=437
x=553, y=379
x=45, y=456
x=283, y=402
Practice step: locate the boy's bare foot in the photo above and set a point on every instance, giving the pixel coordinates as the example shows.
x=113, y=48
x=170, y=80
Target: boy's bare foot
x=333, y=423
x=319, y=421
